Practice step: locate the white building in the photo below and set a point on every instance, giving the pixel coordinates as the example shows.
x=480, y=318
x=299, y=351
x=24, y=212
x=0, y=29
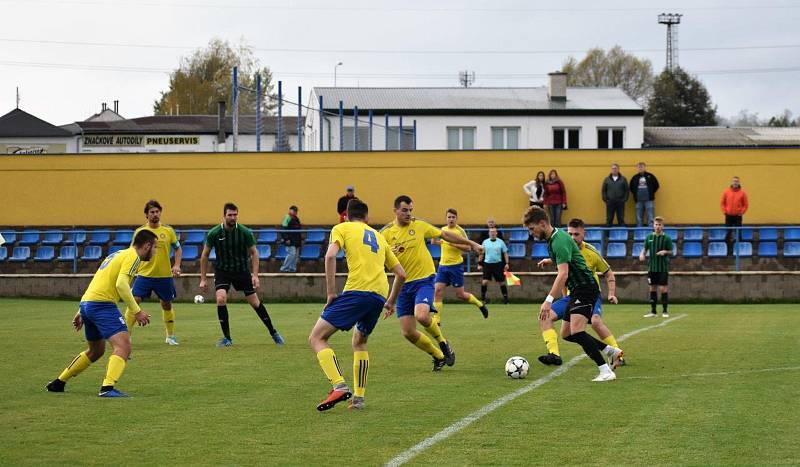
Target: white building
x=22, y=133
x=553, y=117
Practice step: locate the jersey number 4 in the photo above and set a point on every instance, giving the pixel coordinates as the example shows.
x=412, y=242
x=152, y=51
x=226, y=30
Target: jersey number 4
x=371, y=240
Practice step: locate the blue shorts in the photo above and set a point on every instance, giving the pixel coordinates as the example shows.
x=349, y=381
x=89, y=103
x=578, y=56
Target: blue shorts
x=561, y=305
x=164, y=287
x=101, y=320
x=414, y=292
x=451, y=275
x=354, y=307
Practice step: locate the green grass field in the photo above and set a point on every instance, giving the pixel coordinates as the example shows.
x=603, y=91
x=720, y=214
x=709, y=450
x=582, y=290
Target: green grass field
x=719, y=386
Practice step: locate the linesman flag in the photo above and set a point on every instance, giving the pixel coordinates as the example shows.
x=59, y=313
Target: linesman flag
x=511, y=279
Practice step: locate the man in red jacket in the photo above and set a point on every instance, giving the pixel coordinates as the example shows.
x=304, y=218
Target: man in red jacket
x=733, y=204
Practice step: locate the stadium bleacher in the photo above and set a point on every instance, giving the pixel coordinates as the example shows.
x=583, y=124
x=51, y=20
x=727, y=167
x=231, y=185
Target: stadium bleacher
x=28, y=238
x=67, y=253
x=264, y=251
x=616, y=250
x=436, y=251
x=100, y=237
x=3, y=253
x=52, y=237
x=20, y=254
x=123, y=237
x=309, y=252
x=92, y=253
x=45, y=253
x=516, y=250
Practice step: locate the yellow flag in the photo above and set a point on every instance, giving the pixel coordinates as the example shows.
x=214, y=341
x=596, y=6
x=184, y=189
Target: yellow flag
x=511, y=279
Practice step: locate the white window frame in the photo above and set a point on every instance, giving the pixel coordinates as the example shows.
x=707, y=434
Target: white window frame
x=610, y=130
x=460, y=130
x=504, y=129
x=566, y=130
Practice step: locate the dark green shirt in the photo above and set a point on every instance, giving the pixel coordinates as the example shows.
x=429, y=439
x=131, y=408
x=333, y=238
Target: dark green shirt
x=232, y=247
x=563, y=249
x=655, y=243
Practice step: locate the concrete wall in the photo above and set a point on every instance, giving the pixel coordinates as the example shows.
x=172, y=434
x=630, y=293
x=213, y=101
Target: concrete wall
x=87, y=190
x=631, y=286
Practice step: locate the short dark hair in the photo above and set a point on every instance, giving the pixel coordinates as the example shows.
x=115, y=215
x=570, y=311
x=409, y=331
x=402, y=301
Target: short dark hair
x=357, y=209
x=293, y=208
x=152, y=204
x=534, y=215
x=229, y=207
x=576, y=223
x=143, y=237
x=452, y=211
x=401, y=199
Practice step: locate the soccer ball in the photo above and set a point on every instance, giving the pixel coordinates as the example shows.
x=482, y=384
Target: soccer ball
x=517, y=367
x=199, y=299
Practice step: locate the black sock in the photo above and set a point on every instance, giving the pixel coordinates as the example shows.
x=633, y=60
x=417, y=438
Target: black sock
x=504, y=291
x=589, y=347
x=222, y=314
x=483, y=292
x=653, y=301
x=665, y=301
x=261, y=311
x=106, y=388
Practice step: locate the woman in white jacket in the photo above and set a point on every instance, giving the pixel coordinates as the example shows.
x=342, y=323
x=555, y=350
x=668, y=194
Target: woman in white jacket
x=535, y=190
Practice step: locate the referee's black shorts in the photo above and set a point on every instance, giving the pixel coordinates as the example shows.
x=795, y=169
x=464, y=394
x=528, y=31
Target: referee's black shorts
x=494, y=272
x=581, y=302
x=657, y=278
x=241, y=281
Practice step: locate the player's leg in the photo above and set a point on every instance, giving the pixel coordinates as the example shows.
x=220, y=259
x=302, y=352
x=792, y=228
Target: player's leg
x=546, y=325
x=360, y=368
x=261, y=311
x=423, y=313
x=438, y=296
x=318, y=341
x=484, y=285
x=612, y=350
x=579, y=313
x=503, y=289
x=408, y=327
x=121, y=344
x=465, y=296
x=165, y=290
x=651, y=281
x=222, y=314
x=95, y=350
x=664, y=289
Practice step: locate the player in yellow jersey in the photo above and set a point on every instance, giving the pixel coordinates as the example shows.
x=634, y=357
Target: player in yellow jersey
x=598, y=265
x=157, y=275
x=101, y=319
x=451, y=268
x=360, y=304
x=408, y=239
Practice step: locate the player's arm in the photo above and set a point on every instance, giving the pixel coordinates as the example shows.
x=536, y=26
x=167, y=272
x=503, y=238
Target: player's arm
x=330, y=272
x=176, y=266
x=454, y=240
x=544, y=262
x=124, y=291
x=391, y=263
x=555, y=290
x=204, y=267
x=505, y=257
x=254, y=266
x=611, y=282
x=644, y=250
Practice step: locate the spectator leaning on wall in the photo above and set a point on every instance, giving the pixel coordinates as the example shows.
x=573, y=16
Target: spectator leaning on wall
x=733, y=204
x=615, y=195
x=555, y=197
x=644, y=186
x=535, y=190
x=291, y=239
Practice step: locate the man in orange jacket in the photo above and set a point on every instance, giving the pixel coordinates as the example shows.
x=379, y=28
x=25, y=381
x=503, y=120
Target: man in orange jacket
x=733, y=204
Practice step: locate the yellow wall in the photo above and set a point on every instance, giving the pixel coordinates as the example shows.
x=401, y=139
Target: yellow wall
x=112, y=189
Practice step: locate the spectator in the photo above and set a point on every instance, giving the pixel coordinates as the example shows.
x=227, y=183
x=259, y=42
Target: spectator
x=341, y=206
x=291, y=239
x=555, y=197
x=644, y=186
x=615, y=195
x=733, y=204
x=535, y=190
x=490, y=224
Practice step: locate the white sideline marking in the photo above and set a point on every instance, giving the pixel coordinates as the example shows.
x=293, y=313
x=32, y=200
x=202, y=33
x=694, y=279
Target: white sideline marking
x=721, y=373
x=418, y=448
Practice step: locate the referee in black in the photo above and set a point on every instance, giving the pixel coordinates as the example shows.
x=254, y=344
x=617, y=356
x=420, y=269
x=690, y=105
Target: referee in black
x=659, y=245
x=236, y=265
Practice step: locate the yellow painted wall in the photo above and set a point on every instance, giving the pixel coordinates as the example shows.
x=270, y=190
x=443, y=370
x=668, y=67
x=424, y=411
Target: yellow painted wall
x=112, y=189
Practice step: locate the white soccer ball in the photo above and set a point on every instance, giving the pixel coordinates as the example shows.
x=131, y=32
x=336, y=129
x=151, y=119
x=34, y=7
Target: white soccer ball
x=517, y=367
x=199, y=299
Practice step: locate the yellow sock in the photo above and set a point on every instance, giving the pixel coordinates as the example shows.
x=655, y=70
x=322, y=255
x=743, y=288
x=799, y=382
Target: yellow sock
x=611, y=341
x=474, y=300
x=327, y=360
x=360, y=370
x=130, y=320
x=169, y=321
x=426, y=345
x=116, y=365
x=435, y=331
x=78, y=364
x=439, y=306
x=551, y=341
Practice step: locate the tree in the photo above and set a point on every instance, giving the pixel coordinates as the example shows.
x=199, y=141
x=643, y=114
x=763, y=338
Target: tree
x=783, y=120
x=615, y=68
x=679, y=99
x=205, y=77
x=744, y=118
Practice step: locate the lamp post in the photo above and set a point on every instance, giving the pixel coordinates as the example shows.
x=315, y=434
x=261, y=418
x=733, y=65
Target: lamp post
x=334, y=72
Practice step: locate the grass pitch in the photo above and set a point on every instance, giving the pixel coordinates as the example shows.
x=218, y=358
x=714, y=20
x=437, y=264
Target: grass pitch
x=720, y=386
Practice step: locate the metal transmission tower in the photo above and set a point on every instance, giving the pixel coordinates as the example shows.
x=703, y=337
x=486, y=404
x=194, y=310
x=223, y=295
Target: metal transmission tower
x=466, y=78
x=672, y=20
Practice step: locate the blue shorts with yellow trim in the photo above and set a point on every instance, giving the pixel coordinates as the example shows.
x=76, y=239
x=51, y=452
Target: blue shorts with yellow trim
x=451, y=275
x=354, y=308
x=164, y=287
x=413, y=293
x=101, y=320
x=561, y=305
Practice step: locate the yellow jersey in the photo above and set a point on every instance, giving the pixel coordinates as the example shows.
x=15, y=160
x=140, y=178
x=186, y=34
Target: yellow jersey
x=409, y=244
x=103, y=287
x=367, y=255
x=594, y=260
x=159, y=265
x=451, y=255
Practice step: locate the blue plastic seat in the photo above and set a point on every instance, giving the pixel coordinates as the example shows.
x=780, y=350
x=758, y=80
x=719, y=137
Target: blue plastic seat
x=123, y=237
x=28, y=237
x=75, y=238
x=791, y=249
x=315, y=236
x=267, y=236
x=194, y=237
x=641, y=233
x=45, y=253
x=692, y=250
x=436, y=250
x=768, y=234
x=518, y=235
x=115, y=248
x=20, y=254
x=616, y=250
x=67, y=253
x=618, y=234
x=92, y=253
x=597, y=246
x=516, y=250
x=791, y=234
x=636, y=250
x=743, y=249
x=717, y=249
x=189, y=253
x=673, y=233
x=3, y=253
x=694, y=234
x=746, y=234
x=280, y=254
x=310, y=251
x=212, y=255
x=52, y=237
x=539, y=250
x=593, y=235
x=717, y=234
x=264, y=251
x=768, y=249
x=9, y=236
x=340, y=254
x=100, y=237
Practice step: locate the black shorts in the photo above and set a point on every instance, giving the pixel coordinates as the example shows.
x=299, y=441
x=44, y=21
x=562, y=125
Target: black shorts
x=657, y=278
x=581, y=302
x=494, y=271
x=241, y=281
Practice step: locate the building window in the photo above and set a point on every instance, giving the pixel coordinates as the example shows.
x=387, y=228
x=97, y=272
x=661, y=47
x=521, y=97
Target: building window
x=394, y=143
x=460, y=138
x=363, y=139
x=505, y=137
x=610, y=138
x=566, y=138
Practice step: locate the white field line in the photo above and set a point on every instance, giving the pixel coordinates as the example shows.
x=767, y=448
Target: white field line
x=721, y=373
x=449, y=431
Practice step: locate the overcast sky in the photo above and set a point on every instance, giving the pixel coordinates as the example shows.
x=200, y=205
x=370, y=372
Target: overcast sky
x=69, y=56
